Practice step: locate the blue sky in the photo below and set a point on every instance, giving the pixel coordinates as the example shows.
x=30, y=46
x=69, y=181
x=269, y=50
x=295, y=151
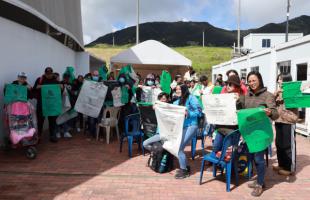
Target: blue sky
x=104, y=16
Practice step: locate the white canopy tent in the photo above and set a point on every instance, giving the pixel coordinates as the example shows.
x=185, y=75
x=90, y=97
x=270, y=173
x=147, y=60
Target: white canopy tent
x=151, y=57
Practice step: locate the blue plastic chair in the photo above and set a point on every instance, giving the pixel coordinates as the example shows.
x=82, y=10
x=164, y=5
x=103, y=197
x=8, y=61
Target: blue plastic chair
x=132, y=131
x=202, y=133
x=231, y=140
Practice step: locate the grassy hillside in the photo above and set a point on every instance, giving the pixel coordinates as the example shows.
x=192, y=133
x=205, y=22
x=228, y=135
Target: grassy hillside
x=203, y=58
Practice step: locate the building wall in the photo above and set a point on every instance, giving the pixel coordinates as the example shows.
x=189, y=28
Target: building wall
x=23, y=49
x=254, y=41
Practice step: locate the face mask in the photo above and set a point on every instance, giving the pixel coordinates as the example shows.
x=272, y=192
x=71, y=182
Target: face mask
x=121, y=80
x=150, y=83
x=156, y=82
x=95, y=78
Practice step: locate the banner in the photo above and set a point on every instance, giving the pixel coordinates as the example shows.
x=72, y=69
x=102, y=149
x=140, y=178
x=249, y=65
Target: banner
x=66, y=114
x=51, y=100
x=117, y=95
x=149, y=95
x=255, y=128
x=15, y=93
x=91, y=98
x=220, y=108
x=165, y=81
x=170, y=120
x=295, y=94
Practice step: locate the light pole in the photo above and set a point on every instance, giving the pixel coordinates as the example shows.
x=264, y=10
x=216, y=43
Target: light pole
x=203, y=38
x=238, y=39
x=137, y=31
x=287, y=19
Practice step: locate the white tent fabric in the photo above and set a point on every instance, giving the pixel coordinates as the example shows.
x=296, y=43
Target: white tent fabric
x=151, y=52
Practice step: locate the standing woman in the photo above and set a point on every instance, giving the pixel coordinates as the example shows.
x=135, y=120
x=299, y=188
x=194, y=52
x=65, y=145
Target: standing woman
x=285, y=132
x=256, y=97
x=190, y=125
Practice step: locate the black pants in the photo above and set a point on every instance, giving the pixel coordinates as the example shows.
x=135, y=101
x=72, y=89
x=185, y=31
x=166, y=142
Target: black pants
x=51, y=123
x=286, y=146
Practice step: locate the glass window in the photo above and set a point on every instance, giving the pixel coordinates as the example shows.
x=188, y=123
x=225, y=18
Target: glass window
x=266, y=43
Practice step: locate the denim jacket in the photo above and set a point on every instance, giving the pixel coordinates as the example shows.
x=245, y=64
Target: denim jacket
x=193, y=111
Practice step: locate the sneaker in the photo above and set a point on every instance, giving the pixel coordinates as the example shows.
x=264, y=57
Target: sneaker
x=78, y=130
x=276, y=168
x=284, y=172
x=253, y=184
x=58, y=135
x=258, y=190
x=181, y=174
x=67, y=135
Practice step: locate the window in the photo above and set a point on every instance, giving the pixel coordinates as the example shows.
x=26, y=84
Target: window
x=266, y=43
x=284, y=67
x=255, y=69
x=243, y=73
x=302, y=72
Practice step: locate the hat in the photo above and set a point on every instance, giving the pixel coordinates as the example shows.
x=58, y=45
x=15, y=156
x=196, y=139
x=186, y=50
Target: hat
x=234, y=80
x=22, y=74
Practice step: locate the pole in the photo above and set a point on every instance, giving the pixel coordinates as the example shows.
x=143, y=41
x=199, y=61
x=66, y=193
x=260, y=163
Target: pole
x=287, y=19
x=113, y=39
x=239, y=10
x=203, y=38
x=137, y=31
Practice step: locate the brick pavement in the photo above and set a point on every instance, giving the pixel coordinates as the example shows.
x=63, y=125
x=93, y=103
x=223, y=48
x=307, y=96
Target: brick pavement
x=80, y=169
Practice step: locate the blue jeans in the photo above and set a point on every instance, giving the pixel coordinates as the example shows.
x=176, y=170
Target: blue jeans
x=260, y=166
x=147, y=144
x=218, y=142
x=188, y=134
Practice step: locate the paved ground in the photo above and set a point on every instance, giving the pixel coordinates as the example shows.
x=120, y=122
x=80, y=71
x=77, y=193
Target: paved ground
x=80, y=169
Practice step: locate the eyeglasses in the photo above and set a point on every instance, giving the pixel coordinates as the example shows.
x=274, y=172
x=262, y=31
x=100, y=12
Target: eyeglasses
x=230, y=84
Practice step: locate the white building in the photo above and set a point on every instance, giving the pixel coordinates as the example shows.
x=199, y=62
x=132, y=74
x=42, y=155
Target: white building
x=292, y=56
x=37, y=34
x=258, y=41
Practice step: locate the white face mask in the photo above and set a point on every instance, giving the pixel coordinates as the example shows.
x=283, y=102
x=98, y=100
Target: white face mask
x=150, y=83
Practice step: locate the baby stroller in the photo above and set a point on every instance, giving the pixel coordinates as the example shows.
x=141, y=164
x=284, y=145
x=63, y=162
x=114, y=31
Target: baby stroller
x=21, y=124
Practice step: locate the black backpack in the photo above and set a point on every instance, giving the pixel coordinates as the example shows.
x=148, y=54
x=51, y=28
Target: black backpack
x=160, y=160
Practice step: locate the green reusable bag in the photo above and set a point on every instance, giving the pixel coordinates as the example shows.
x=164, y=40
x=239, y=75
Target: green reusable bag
x=165, y=81
x=15, y=93
x=293, y=97
x=255, y=128
x=70, y=71
x=217, y=90
x=125, y=95
x=51, y=100
x=103, y=72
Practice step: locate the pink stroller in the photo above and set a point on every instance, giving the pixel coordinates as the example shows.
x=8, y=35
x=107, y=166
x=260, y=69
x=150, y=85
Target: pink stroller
x=21, y=121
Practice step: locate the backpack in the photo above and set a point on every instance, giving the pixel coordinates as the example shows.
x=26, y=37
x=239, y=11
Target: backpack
x=160, y=160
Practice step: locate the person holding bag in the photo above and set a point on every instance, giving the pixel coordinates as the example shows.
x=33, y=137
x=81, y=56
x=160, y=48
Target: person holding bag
x=285, y=132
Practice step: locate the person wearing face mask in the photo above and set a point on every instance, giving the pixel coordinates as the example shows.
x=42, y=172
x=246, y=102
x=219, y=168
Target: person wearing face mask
x=190, y=125
x=149, y=81
x=257, y=96
x=95, y=76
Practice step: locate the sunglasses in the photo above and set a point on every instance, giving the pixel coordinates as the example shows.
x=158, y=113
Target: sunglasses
x=230, y=84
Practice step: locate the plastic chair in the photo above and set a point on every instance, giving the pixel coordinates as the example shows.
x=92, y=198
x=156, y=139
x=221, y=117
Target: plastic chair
x=132, y=131
x=201, y=134
x=109, y=119
x=223, y=161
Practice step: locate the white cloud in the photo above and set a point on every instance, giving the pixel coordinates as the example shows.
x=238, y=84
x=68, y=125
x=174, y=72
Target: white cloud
x=101, y=16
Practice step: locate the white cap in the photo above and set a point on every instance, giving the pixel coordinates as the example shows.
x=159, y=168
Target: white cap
x=22, y=74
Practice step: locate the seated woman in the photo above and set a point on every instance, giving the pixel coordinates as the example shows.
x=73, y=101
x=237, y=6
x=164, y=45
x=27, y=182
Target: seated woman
x=232, y=86
x=147, y=144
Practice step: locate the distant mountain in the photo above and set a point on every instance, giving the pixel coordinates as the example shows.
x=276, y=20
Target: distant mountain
x=190, y=33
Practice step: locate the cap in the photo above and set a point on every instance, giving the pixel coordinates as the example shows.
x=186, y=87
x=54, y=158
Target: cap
x=22, y=74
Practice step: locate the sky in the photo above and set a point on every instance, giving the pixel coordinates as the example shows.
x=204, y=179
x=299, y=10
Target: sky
x=105, y=16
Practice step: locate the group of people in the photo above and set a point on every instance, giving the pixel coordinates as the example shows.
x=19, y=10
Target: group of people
x=186, y=91
x=251, y=93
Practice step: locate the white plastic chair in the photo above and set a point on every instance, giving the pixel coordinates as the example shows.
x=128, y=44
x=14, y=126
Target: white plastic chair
x=107, y=123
